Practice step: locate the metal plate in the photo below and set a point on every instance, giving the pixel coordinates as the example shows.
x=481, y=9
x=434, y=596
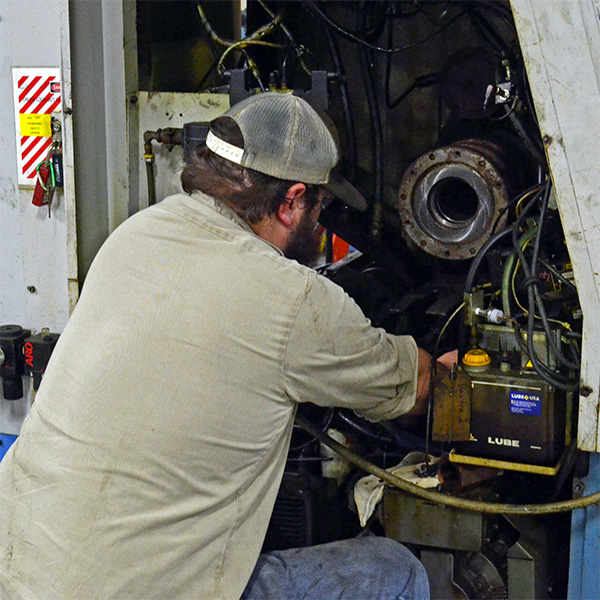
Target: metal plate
x=411, y=520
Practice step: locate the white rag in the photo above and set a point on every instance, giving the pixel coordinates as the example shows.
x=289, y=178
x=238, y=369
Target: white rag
x=368, y=491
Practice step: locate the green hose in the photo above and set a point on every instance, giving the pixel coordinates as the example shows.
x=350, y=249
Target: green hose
x=439, y=498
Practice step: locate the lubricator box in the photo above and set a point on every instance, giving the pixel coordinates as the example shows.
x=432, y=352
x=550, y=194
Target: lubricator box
x=515, y=417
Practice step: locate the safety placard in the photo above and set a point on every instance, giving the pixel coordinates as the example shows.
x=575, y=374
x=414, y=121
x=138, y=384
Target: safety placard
x=37, y=95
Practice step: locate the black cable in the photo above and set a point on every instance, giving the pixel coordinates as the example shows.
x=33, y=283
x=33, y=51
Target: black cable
x=531, y=281
x=537, y=154
x=487, y=33
x=298, y=49
x=534, y=296
x=544, y=372
x=311, y=6
x=514, y=201
x=575, y=365
x=525, y=92
x=362, y=429
x=480, y=256
x=375, y=115
x=207, y=74
x=419, y=82
x=302, y=447
x=558, y=275
x=346, y=105
x=376, y=29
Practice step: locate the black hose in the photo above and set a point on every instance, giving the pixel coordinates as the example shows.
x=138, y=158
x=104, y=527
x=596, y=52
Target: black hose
x=346, y=106
x=362, y=429
x=535, y=299
x=151, y=182
x=558, y=275
x=375, y=116
x=528, y=141
x=480, y=256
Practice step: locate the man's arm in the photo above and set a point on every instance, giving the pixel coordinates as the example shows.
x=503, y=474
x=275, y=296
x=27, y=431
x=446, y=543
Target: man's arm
x=334, y=357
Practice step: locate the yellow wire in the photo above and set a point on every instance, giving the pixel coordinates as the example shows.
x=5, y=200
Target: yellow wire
x=243, y=44
x=525, y=196
x=258, y=34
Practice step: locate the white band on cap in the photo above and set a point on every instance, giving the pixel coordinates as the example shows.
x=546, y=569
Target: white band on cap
x=224, y=149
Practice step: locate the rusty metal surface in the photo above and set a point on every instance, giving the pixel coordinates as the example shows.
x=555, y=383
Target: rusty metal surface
x=450, y=198
x=411, y=520
x=452, y=409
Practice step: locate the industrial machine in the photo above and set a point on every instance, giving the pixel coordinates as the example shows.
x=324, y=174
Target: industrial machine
x=462, y=124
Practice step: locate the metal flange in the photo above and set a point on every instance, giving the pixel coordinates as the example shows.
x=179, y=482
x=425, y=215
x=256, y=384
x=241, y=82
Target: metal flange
x=451, y=197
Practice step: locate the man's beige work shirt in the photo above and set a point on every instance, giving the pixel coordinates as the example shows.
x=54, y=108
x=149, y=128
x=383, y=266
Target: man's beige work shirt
x=150, y=462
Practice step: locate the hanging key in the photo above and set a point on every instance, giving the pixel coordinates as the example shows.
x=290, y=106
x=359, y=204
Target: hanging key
x=56, y=152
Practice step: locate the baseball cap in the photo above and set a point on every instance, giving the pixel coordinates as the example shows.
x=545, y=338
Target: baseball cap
x=285, y=137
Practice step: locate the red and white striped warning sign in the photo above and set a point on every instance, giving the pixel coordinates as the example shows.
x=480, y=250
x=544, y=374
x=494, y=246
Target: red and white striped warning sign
x=37, y=95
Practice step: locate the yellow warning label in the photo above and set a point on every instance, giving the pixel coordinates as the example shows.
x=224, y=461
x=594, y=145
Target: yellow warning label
x=529, y=365
x=36, y=125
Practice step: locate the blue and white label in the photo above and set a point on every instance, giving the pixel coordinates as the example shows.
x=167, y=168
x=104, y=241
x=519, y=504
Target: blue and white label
x=525, y=403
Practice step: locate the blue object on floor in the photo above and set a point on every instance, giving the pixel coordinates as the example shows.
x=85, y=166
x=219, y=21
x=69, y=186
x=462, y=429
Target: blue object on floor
x=6, y=441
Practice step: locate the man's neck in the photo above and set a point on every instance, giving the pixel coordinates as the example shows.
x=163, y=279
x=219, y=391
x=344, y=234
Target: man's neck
x=271, y=230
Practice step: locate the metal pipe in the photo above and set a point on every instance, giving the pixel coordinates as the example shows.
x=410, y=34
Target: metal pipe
x=170, y=136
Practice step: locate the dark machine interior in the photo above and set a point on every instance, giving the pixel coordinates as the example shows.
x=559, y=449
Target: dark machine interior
x=461, y=247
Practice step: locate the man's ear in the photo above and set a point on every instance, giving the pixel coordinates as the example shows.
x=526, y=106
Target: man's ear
x=290, y=211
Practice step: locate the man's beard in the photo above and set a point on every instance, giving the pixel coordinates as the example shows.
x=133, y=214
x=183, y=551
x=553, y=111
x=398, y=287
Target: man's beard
x=304, y=242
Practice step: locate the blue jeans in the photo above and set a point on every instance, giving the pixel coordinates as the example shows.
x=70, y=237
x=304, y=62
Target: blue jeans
x=368, y=568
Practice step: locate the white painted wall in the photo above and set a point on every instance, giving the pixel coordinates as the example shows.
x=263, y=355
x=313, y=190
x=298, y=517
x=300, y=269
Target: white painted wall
x=33, y=247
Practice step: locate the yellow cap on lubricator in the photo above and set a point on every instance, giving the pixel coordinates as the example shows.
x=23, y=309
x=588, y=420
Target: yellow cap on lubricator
x=476, y=358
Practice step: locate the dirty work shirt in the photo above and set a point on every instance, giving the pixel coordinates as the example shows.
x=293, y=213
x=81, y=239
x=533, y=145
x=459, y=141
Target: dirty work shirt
x=150, y=462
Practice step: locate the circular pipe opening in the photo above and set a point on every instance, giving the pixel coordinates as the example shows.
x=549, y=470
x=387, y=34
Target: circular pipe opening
x=453, y=200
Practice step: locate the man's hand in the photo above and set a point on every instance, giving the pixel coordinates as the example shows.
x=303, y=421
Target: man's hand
x=444, y=364
x=449, y=359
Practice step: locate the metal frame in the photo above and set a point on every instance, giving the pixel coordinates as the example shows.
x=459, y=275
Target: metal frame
x=103, y=55
x=560, y=42
x=561, y=46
